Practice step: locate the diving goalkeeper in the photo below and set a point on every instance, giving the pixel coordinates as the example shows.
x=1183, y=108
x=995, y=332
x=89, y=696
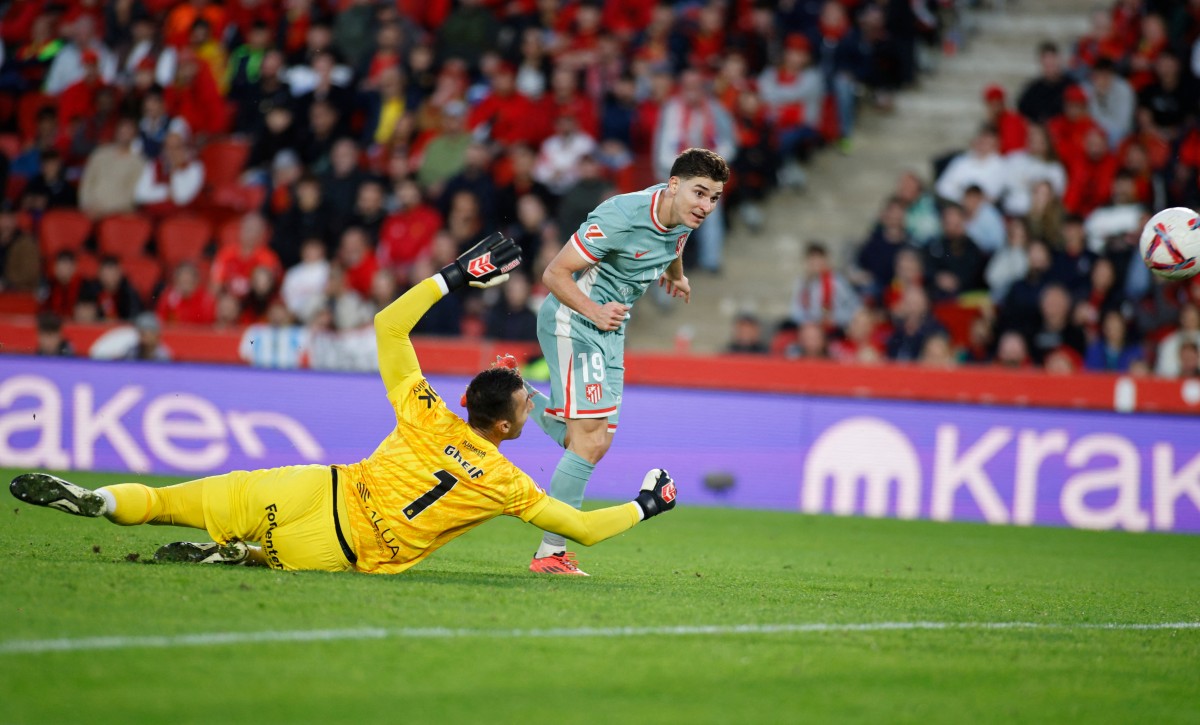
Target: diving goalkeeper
x=432, y=479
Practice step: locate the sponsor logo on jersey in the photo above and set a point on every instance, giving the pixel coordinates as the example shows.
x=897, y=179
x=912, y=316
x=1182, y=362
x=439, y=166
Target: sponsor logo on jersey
x=668, y=493
x=594, y=232
x=679, y=244
x=481, y=265
x=593, y=393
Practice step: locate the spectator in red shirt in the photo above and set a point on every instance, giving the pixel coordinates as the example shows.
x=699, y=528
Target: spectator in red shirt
x=79, y=98
x=1010, y=126
x=1090, y=176
x=407, y=232
x=234, y=263
x=707, y=42
x=1068, y=130
x=185, y=301
x=567, y=100
x=505, y=115
x=63, y=290
x=178, y=25
x=194, y=96
x=354, y=254
x=1151, y=44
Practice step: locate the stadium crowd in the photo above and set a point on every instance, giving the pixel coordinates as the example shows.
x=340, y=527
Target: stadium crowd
x=294, y=166
x=1023, y=252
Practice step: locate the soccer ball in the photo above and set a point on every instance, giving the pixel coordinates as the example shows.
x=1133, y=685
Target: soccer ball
x=1170, y=243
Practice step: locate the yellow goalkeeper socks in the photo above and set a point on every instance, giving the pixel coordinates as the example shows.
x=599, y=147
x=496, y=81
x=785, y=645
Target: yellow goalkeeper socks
x=132, y=504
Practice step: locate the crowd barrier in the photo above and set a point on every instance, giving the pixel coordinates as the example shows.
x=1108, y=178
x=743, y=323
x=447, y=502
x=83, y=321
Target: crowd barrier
x=788, y=451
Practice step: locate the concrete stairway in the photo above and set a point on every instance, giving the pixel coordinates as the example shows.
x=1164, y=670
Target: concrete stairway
x=845, y=192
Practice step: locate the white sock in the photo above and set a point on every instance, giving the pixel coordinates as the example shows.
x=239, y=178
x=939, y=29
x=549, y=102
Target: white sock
x=110, y=501
x=545, y=550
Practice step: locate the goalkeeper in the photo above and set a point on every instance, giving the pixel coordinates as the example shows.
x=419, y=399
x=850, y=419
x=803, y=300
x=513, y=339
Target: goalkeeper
x=432, y=479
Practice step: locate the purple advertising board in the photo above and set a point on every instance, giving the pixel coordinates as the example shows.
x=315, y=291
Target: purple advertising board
x=947, y=462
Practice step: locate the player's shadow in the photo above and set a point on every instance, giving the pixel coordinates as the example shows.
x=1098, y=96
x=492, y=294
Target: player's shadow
x=479, y=578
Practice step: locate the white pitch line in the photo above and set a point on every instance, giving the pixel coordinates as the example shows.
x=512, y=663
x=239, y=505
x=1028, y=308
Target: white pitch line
x=215, y=639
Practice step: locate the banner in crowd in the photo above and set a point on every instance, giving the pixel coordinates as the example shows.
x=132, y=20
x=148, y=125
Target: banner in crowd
x=946, y=462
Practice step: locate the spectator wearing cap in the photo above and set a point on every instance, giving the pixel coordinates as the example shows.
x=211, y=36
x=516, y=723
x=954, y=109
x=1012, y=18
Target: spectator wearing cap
x=1090, y=176
x=1042, y=97
x=1068, y=129
x=173, y=180
x=234, y=263
x=695, y=119
x=111, y=174
x=148, y=345
x=185, y=301
x=980, y=166
x=1026, y=168
x=794, y=93
x=1110, y=101
x=69, y=66
x=1011, y=127
x=79, y=99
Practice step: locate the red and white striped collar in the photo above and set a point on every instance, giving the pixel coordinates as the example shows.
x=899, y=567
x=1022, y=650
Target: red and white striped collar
x=654, y=212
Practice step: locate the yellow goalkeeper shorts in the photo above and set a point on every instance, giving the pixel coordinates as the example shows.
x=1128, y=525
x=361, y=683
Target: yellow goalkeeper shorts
x=293, y=512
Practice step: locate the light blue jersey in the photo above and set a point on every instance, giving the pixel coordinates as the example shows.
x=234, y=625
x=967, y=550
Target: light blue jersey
x=629, y=249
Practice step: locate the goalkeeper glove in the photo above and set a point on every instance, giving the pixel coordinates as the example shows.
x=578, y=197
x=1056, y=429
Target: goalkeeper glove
x=657, y=494
x=486, y=264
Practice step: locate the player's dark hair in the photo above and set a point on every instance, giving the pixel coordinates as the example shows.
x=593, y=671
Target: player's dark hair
x=702, y=163
x=490, y=397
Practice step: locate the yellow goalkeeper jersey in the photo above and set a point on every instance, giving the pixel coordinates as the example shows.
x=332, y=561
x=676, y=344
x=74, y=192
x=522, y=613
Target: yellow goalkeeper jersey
x=433, y=478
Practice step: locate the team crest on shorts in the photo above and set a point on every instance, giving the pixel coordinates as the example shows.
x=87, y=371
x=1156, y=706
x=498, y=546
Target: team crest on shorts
x=593, y=393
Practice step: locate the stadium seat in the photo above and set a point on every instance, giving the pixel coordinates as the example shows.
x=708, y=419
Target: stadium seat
x=223, y=161
x=182, y=238
x=144, y=274
x=957, y=319
x=63, y=229
x=18, y=303
x=239, y=197
x=86, y=265
x=124, y=235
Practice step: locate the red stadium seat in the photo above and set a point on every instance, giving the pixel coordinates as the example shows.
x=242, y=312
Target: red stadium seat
x=957, y=319
x=223, y=161
x=182, y=238
x=124, y=235
x=63, y=229
x=18, y=303
x=144, y=274
x=86, y=265
x=239, y=197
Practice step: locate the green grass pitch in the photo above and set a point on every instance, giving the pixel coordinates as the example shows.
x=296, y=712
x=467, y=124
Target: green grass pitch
x=69, y=578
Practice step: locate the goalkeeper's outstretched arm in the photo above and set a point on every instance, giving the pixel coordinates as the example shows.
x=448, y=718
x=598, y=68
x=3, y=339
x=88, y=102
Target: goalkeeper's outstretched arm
x=591, y=527
x=484, y=265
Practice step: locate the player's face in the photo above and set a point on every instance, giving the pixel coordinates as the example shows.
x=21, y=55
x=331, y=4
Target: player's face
x=522, y=407
x=695, y=199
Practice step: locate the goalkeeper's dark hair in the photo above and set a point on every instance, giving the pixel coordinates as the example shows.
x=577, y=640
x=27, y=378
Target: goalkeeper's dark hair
x=694, y=163
x=490, y=397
